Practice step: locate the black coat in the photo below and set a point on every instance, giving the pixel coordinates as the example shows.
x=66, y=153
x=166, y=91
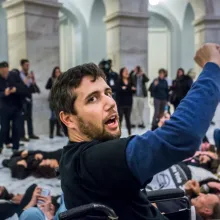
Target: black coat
x=16, y=99
x=144, y=81
x=180, y=88
x=124, y=96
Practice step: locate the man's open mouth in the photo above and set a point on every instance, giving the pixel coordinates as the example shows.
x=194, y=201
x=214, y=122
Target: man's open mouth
x=112, y=120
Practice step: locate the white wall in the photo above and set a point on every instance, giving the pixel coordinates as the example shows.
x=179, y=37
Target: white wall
x=97, y=33
x=3, y=35
x=158, y=46
x=159, y=51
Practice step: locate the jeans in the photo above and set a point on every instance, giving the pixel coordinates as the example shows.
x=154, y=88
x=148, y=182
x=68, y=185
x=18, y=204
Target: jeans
x=32, y=213
x=53, y=115
x=137, y=114
x=35, y=213
x=159, y=108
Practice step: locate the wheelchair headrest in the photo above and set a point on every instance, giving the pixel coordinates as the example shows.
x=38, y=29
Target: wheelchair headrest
x=83, y=210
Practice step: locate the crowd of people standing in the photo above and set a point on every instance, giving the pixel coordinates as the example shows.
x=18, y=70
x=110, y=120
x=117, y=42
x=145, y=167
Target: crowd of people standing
x=130, y=90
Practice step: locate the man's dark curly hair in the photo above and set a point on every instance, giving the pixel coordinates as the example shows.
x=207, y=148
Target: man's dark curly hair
x=62, y=93
x=44, y=172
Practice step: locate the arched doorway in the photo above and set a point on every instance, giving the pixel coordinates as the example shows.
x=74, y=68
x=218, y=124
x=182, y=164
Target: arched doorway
x=159, y=45
x=188, y=39
x=3, y=34
x=70, y=40
x=97, y=33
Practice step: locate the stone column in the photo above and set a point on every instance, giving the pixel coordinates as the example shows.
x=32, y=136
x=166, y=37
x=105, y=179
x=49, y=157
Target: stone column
x=33, y=33
x=207, y=29
x=126, y=27
x=127, y=37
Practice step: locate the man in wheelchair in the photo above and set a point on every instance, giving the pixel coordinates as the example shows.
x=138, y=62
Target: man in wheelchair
x=99, y=167
x=207, y=205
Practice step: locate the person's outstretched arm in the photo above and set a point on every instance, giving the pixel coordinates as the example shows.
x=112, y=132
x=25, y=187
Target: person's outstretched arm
x=181, y=136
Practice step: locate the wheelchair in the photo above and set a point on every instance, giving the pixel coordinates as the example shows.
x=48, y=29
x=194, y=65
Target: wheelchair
x=80, y=213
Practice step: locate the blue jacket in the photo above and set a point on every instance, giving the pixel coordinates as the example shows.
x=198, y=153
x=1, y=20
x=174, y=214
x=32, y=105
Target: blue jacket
x=181, y=136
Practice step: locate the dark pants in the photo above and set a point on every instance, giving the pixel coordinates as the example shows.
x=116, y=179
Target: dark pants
x=127, y=112
x=159, y=107
x=16, y=118
x=8, y=139
x=27, y=117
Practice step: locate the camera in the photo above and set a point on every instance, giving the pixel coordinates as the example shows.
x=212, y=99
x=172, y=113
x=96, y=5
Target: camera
x=105, y=65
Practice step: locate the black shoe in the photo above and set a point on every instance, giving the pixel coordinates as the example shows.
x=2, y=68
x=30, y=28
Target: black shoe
x=21, y=144
x=212, y=123
x=24, y=139
x=52, y=125
x=133, y=126
x=59, y=135
x=141, y=126
x=5, y=163
x=34, y=137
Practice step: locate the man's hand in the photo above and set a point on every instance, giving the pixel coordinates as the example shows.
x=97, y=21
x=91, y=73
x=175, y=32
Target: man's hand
x=47, y=207
x=24, y=154
x=124, y=87
x=33, y=77
x=7, y=91
x=38, y=156
x=214, y=185
x=22, y=163
x=133, y=88
x=13, y=89
x=191, y=187
x=34, y=198
x=156, y=82
x=209, y=52
x=203, y=159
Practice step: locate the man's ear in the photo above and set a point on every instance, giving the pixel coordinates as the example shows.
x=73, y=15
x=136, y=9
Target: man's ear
x=207, y=211
x=69, y=120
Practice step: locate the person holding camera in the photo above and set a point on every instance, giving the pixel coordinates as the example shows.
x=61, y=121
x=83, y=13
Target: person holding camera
x=12, y=93
x=29, y=81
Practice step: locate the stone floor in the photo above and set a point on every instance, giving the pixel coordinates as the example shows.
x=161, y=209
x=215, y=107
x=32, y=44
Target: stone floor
x=19, y=186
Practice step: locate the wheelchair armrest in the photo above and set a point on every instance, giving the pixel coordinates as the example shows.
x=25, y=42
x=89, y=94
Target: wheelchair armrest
x=166, y=194
x=85, y=209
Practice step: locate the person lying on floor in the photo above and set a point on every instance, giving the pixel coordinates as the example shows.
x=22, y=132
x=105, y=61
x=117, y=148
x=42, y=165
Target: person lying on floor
x=207, y=206
x=177, y=175
x=43, y=211
x=204, y=159
x=37, y=163
x=15, y=204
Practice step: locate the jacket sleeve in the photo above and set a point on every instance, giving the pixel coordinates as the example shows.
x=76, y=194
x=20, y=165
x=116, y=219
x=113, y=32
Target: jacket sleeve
x=21, y=88
x=181, y=136
x=145, y=78
x=49, y=83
